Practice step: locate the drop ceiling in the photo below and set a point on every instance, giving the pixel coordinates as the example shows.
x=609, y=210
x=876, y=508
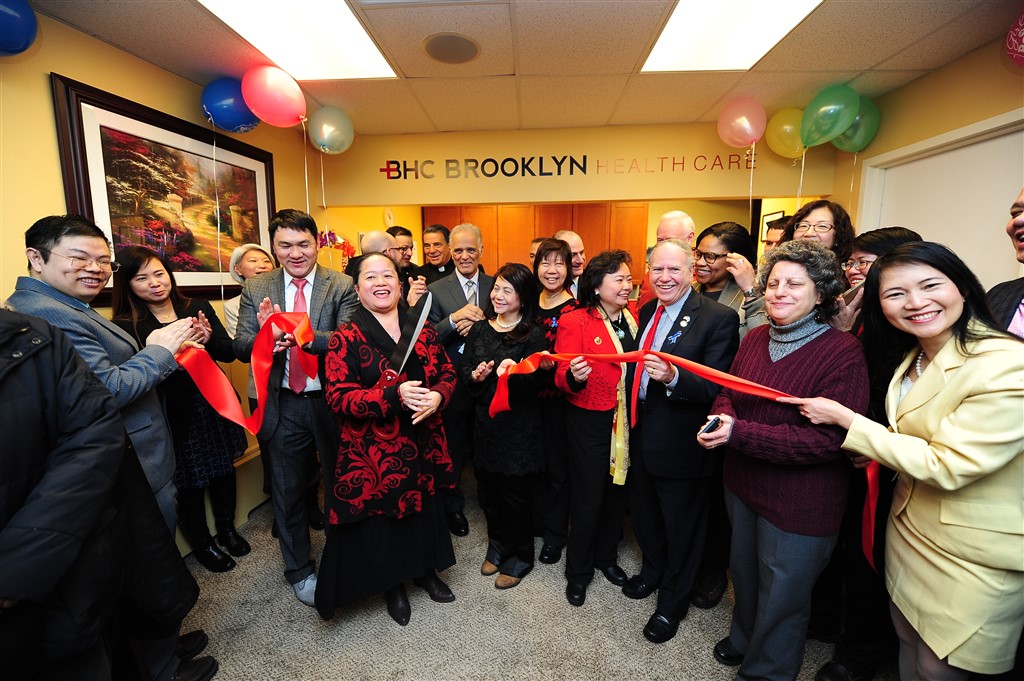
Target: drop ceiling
x=560, y=63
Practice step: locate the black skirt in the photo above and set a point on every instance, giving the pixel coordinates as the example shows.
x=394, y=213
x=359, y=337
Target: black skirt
x=371, y=556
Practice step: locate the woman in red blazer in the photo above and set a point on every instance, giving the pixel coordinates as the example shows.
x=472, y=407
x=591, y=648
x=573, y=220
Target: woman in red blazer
x=595, y=419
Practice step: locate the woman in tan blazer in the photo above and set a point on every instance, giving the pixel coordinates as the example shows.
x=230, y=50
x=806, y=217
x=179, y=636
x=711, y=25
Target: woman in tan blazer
x=955, y=542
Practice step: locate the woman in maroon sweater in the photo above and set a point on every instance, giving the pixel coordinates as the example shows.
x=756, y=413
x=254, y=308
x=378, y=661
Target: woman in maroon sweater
x=786, y=479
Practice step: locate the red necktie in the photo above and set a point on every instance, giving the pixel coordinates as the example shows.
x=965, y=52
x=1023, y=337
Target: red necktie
x=867, y=521
x=638, y=373
x=296, y=376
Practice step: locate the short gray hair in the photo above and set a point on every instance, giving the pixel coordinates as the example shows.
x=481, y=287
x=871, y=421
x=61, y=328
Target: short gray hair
x=686, y=248
x=822, y=268
x=471, y=228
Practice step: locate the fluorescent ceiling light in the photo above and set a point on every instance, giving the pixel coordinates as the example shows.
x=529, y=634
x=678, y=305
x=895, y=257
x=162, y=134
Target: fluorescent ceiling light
x=310, y=39
x=724, y=35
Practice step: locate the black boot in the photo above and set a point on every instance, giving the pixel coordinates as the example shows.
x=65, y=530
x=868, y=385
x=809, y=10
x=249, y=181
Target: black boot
x=222, y=501
x=192, y=519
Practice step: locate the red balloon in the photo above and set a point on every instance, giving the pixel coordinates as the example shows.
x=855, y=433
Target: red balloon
x=273, y=96
x=1015, y=42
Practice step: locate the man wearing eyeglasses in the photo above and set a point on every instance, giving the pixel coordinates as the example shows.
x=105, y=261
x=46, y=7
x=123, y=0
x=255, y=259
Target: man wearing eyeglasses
x=415, y=285
x=69, y=263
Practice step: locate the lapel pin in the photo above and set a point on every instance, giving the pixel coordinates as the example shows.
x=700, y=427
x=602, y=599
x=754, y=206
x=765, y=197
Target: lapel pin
x=597, y=340
x=685, y=322
x=674, y=337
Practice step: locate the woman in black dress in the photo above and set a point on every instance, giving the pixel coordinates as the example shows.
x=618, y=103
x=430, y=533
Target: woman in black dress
x=146, y=297
x=551, y=267
x=385, y=523
x=508, y=451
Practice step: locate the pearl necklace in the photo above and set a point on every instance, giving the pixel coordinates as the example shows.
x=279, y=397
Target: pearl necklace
x=917, y=363
x=497, y=320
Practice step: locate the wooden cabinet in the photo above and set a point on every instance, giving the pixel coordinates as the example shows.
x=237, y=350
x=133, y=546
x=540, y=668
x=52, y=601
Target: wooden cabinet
x=507, y=229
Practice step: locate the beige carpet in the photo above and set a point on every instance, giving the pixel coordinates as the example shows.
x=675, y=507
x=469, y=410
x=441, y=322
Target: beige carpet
x=259, y=631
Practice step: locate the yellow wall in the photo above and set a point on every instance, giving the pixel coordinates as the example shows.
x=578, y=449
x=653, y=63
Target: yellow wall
x=978, y=86
x=31, y=184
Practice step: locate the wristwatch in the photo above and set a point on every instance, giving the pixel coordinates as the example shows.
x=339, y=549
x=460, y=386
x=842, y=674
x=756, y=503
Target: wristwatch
x=750, y=292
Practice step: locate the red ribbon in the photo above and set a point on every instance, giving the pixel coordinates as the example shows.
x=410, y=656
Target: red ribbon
x=532, y=363
x=217, y=389
x=867, y=520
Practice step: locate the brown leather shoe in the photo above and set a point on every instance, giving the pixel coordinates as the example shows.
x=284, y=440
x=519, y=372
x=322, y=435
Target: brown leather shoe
x=488, y=569
x=506, y=582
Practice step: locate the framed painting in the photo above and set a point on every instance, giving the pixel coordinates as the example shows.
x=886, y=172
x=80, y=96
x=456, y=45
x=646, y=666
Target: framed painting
x=149, y=179
x=767, y=220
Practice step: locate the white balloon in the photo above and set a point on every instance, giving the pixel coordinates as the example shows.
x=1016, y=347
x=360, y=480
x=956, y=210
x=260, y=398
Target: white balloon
x=330, y=130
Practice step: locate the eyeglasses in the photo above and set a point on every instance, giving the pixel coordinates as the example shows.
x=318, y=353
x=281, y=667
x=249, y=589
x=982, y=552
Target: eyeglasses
x=80, y=263
x=404, y=249
x=861, y=264
x=709, y=258
x=820, y=228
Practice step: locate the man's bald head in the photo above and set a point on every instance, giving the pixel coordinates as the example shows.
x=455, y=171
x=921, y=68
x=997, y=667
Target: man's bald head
x=380, y=242
x=676, y=224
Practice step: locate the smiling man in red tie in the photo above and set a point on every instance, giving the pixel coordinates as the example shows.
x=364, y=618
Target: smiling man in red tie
x=296, y=420
x=669, y=475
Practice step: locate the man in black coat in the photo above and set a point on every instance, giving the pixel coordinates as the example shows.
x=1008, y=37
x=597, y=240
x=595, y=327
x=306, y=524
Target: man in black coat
x=669, y=472
x=1007, y=299
x=82, y=542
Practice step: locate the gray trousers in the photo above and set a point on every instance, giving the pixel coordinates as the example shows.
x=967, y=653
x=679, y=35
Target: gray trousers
x=304, y=428
x=773, y=573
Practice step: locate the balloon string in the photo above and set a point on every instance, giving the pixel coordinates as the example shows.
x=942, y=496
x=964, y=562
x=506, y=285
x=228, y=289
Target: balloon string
x=305, y=162
x=323, y=194
x=853, y=173
x=751, y=154
x=800, y=187
x=216, y=205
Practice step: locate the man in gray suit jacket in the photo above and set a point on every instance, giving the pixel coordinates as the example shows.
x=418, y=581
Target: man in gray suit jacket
x=296, y=420
x=69, y=263
x=458, y=302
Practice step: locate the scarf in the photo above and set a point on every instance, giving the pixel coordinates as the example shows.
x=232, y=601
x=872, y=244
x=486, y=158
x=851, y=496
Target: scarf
x=619, y=459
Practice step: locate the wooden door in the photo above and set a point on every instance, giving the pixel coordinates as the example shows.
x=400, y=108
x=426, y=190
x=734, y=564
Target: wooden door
x=449, y=216
x=486, y=218
x=515, y=232
x=590, y=221
x=628, y=231
x=550, y=217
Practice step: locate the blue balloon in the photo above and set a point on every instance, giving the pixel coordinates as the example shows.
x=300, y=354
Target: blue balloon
x=18, y=27
x=223, y=104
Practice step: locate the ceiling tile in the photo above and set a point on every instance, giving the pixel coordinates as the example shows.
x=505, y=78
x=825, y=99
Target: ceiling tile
x=561, y=37
x=979, y=26
x=400, y=31
x=376, y=107
x=568, y=101
x=857, y=34
x=469, y=103
x=872, y=84
x=671, y=97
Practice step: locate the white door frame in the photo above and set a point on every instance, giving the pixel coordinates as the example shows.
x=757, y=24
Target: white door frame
x=872, y=180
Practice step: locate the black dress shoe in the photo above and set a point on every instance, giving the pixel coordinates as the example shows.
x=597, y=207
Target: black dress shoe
x=232, y=542
x=549, y=554
x=635, y=587
x=457, y=524
x=398, y=604
x=191, y=644
x=199, y=669
x=726, y=654
x=212, y=558
x=576, y=594
x=708, y=590
x=614, y=574
x=660, y=628
x=833, y=671
x=438, y=591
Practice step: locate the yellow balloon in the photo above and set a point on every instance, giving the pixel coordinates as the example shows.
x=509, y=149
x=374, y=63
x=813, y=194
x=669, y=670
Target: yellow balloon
x=783, y=133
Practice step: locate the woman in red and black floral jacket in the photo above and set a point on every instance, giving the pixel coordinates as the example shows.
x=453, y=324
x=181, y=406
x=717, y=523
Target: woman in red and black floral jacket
x=385, y=525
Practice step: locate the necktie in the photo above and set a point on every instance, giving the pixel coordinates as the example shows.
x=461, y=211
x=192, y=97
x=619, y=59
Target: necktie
x=1017, y=323
x=471, y=292
x=296, y=377
x=638, y=374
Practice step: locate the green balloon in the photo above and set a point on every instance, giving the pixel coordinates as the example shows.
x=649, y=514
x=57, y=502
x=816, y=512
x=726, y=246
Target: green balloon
x=829, y=114
x=862, y=130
